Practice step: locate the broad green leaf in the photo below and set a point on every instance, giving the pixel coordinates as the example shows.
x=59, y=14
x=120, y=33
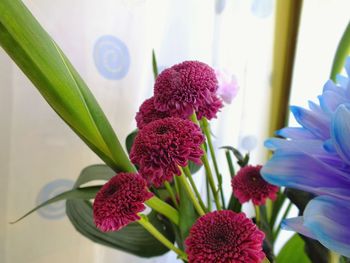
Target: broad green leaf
x=293, y=251
x=38, y=56
x=88, y=174
x=85, y=193
x=94, y=172
x=341, y=54
x=133, y=238
x=129, y=141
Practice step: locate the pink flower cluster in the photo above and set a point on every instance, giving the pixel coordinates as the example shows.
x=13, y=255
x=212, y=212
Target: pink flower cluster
x=248, y=184
x=224, y=237
x=163, y=145
x=119, y=200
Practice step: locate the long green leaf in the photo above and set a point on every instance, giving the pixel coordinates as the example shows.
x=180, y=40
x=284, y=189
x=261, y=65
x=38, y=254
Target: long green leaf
x=342, y=52
x=133, y=238
x=94, y=172
x=85, y=193
x=293, y=251
x=34, y=51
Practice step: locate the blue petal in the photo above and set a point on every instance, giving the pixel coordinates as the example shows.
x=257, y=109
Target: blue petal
x=331, y=86
x=330, y=101
x=314, y=107
x=316, y=123
x=307, y=146
x=296, y=224
x=340, y=132
x=295, y=133
x=343, y=81
x=347, y=66
x=302, y=171
x=327, y=218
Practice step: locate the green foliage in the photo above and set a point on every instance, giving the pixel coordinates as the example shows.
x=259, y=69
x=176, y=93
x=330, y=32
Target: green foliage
x=341, y=54
x=293, y=251
x=85, y=193
x=129, y=141
x=38, y=56
x=133, y=238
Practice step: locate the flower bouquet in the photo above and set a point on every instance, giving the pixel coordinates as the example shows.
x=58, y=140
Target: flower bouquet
x=149, y=202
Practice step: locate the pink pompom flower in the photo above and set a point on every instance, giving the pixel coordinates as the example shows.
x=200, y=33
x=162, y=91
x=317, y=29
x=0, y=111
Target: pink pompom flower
x=163, y=145
x=224, y=237
x=119, y=200
x=148, y=113
x=185, y=88
x=248, y=184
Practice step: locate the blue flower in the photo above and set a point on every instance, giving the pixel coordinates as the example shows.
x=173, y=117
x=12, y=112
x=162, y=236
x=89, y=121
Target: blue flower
x=316, y=158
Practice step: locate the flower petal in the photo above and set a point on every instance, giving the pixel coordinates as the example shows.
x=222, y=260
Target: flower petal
x=298, y=170
x=316, y=123
x=295, y=133
x=340, y=132
x=306, y=146
x=327, y=218
x=330, y=101
x=296, y=224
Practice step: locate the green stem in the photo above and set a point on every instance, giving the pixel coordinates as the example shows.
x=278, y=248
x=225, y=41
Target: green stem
x=275, y=235
x=257, y=215
x=160, y=237
x=333, y=257
x=164, y=209
x=194, y=187
x=230, y=163
x=207, y=186
x=208, y=172
x=206, y=129
x=189, y=191
x=171, y=193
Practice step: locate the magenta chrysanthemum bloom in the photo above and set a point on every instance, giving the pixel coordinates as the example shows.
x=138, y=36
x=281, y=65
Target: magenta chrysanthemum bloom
x=224, y=237
x=119, y=200
x=184, y=88
x=148, y=113
x=248, y=184
x=162, y=145
x=209, y=109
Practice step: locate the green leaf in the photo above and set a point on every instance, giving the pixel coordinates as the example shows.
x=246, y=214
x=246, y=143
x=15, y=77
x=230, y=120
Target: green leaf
x=187, y=211
x=293, y=251
x=129, y=141
x=84, y=193
x=94, y=172
x=133, y=238
x=38, y=56
x=343, y=50
x=154, y=64
x=194, y=168
x=241, y=160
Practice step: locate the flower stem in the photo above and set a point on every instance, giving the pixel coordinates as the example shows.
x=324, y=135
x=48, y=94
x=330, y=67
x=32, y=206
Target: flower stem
x=333, y=257
x=275, y=234
x=257, y=215
x=208, y=169
x=160, y=237
x=164, y=209
x=189, y=191
x=230, y=163
x=171, y=193
x=194, y=187
x=205, y=127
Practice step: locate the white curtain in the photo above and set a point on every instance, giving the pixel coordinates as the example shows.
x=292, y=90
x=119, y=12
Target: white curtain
x=110, y=44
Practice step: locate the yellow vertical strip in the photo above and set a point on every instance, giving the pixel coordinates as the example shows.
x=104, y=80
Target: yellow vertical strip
x=286, y=31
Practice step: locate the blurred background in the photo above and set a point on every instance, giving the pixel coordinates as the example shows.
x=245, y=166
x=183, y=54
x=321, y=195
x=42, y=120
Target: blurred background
x=110, y=43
